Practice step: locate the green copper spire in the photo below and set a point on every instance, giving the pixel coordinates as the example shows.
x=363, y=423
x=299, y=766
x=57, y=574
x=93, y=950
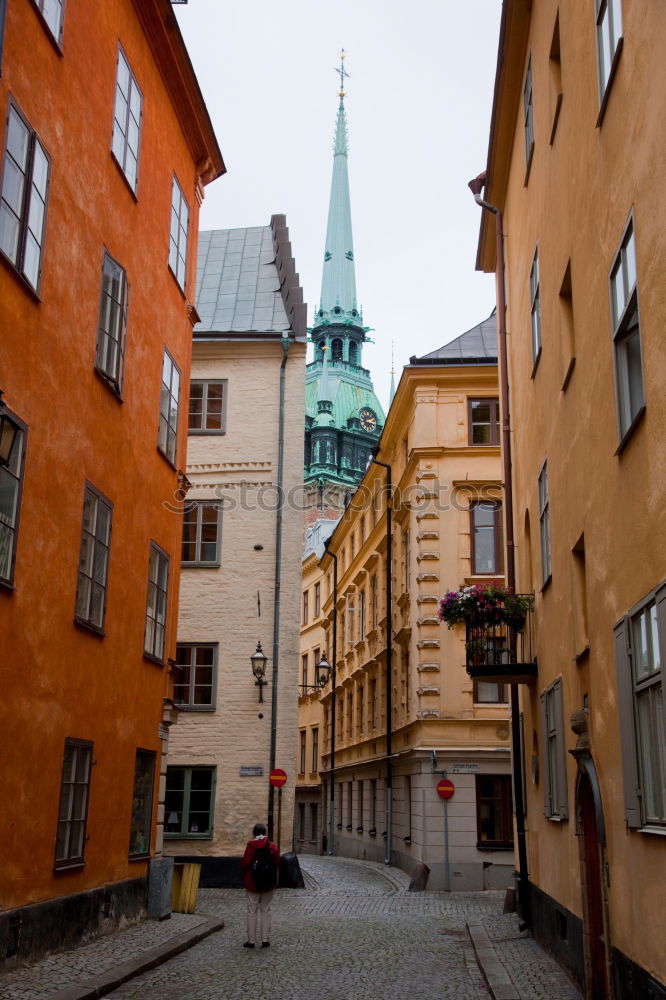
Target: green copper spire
x=338, y=284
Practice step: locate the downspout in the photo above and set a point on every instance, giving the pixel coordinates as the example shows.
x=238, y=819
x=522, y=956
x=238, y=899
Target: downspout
x=286, y=344
x=389, y=656
x=476, y=186
x=331, y=817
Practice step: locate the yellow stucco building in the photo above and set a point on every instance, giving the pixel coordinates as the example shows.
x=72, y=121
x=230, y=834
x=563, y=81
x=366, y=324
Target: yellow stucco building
x=241, y=553
x=575, y=166
x=441, y=441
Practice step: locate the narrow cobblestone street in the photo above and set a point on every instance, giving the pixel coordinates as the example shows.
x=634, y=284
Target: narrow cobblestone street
x=353, y=934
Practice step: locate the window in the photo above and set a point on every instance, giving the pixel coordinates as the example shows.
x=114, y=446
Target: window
x=553, y=761
x=304, y=672
x=350, y=803
x=494, y=822
x=407, y=556
x=112, y=326
x=408, y=805
x=483, y=421
x=535, y=308
x=302, y=741
x=315, y=750
x=178, y=234
x=196, y=676
x=168, y=426
x=340, y=718
x=350, y=714
x=73, y=811
x=373, y=704
x=11, y=482
x=202, y=529
x=317, y=600
x=528, y=116
x=142, y=804
x=52, y=11
x=555, y=73
x=93, y=559
x=544, y=523
x=373, y=805
x=156, y=604
x=3, y=11
x=361, y=708
x=361, y=599
x=490, y=692
x=25, y=183
x=305, y=607
x=567, y=330
x=208, y=407
x=609, y=39
x=487, y=541
x=188, y=803
x=127, y=121
x=640, y=641
x=626, y=334
x=313, y=820
x=359, y=807
x=373, y=590
x=301, y=820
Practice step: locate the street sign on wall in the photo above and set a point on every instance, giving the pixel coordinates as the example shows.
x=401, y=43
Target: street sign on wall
x=445, y=788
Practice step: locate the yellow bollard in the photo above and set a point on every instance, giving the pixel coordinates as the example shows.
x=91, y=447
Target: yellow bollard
x=185, y=887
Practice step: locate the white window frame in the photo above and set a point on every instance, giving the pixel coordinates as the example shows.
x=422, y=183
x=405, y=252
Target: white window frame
x=190, y=705
x=609, y=43
x=535, y=308
x=24, y=196
x=126, y=131
x=198, y=506
x=203, y=416
x=93, y=577
x=625, y=320
x=178, y=233
x=167, y=433
x=528, y=115
x=11, y=490
x=112, y=323
x=544, y=524
x=52, y=13
x=77, y=763
x=156, y=603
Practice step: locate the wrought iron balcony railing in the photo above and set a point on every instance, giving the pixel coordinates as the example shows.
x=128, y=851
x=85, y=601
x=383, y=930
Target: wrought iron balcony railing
x=500, y=650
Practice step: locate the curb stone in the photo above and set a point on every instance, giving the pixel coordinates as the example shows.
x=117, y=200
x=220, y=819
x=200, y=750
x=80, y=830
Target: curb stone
x=110, y=980
x=494, y=972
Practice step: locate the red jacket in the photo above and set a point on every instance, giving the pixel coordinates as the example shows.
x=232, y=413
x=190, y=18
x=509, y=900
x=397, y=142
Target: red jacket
x=248, y=858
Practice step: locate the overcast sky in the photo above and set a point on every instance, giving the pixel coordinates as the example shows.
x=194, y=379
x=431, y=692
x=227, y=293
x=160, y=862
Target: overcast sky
x=419, y=99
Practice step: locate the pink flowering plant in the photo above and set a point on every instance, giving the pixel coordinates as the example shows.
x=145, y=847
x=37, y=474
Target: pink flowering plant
x=485, y=603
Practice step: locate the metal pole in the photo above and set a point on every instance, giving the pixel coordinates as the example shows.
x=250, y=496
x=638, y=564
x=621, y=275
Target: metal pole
x=279, y=822
x=524, y=901
x=286, y=342
x=389, y=656
x=331, y=818
x=447, y=865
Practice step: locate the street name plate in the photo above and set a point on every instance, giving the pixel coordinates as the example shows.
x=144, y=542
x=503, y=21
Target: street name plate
x=468, y=767
x=251, y=771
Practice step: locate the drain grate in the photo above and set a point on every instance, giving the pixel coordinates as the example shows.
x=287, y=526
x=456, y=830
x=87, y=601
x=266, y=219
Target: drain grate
x=13, y=936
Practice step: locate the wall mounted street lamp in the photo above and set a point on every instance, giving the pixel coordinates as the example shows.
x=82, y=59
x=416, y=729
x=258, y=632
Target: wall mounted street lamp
x=259, y=661
x=8, y=432
x=322, y=672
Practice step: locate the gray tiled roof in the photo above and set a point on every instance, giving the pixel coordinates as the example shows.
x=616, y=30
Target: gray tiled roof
x=238, y=289
x=478, y=344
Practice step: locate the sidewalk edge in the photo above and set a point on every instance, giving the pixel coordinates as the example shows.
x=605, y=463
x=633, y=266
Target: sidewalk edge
x=494, y=972
x=106, y=982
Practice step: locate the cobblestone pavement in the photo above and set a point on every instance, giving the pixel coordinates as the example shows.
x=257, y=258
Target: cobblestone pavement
x=536, y=975
x=355, y=933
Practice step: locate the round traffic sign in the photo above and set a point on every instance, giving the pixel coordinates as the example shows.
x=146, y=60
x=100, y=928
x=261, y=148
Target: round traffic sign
x=277, y=777
x=445, y=789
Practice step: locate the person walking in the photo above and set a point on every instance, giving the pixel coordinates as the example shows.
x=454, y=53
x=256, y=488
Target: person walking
x=259, y=865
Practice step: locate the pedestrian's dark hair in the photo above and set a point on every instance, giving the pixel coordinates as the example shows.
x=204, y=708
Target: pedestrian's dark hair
x=259, y=830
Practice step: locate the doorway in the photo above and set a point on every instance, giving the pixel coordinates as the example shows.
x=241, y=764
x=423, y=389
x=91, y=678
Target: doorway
x=596, y=957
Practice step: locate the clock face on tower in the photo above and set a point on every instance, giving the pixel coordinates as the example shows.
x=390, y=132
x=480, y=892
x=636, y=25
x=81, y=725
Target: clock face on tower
x=368, y=419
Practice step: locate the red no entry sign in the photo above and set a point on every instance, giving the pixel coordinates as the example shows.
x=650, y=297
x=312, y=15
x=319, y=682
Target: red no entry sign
x=277, y=777
x=445, y=789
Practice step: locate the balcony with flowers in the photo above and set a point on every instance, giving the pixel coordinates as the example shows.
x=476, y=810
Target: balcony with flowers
x=499, y=640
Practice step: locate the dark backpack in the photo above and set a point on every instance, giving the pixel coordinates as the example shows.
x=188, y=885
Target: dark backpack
x=263, y=870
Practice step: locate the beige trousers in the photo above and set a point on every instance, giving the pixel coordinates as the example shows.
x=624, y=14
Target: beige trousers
x=258, y=902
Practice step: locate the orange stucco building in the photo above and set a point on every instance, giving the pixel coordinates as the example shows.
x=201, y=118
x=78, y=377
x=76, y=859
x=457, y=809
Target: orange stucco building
x=575, y=166
x=106, y=148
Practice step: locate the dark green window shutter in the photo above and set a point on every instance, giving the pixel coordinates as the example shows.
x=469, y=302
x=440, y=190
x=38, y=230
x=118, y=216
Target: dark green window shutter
x=561, y=805
x=544, y=769
x=625, y=700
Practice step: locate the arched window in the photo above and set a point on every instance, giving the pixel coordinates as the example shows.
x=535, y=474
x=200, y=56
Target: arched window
x=353, y=353
x=336, y=350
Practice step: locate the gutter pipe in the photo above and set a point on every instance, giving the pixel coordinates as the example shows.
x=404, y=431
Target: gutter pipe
x=389, y=656
x=476, y=186
x=331, y=816
x=286, y=344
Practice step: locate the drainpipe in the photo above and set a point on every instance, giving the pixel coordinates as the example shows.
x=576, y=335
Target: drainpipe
x=331, y=816
x=476, y=186
x=286, y=343
x=389, y=656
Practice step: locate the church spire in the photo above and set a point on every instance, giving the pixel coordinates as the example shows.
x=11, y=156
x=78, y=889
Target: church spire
x=338, y=285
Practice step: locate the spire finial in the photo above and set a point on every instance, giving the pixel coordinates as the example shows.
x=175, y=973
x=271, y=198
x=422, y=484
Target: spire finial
x=342, y=73
x=392, y=389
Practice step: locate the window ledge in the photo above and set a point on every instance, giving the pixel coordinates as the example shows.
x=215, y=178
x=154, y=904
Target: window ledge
x=200, y=565
x=89, y=627
x=188, y=836
x=166, y=458
x=7, y=586
x=153, y=659
x=630, y=430
x=138, y=857
x=582, y=654
x=483, y=846
x=112, y=386
x=124, y=175
x=178, y=285
x=194, y=708
x=556, y=118
x=568, y=373
x=535, y=364
x=660, y=831
x=197, y=432
x=546, y=583
x=529, y=164
x=609, y=84
x=23, y=281
x=68, y=866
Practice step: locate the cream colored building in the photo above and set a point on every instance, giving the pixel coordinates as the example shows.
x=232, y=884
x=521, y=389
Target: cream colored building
x=575, y=165
x=441, y=441
x=245, y=438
